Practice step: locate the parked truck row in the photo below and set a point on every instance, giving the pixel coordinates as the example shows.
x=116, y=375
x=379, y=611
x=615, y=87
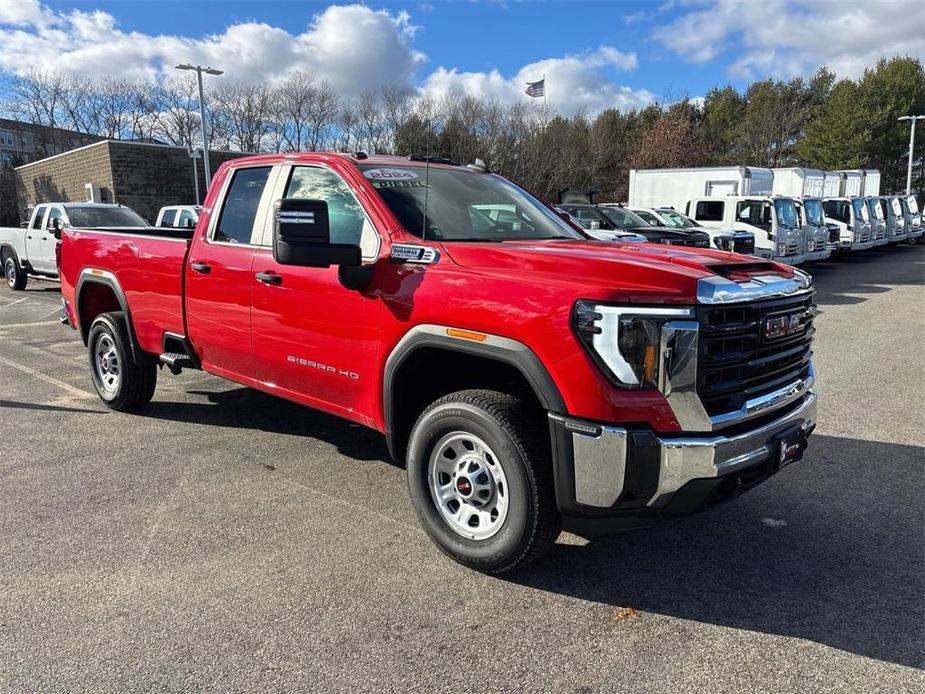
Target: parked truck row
x=797, y=215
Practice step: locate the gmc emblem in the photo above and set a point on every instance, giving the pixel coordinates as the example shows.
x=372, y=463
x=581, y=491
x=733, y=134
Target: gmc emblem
x=775, y=327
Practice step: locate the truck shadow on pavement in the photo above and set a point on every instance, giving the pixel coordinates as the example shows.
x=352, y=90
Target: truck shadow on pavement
x=831, y=550
x=244, y=408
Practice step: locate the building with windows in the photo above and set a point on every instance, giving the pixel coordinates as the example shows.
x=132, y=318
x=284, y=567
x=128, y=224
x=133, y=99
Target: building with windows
x=22, y=142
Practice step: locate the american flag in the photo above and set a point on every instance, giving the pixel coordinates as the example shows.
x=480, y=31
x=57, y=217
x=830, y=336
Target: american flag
x=537, y=88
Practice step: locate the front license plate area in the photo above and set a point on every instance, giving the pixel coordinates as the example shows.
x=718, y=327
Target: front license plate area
x=789, y=447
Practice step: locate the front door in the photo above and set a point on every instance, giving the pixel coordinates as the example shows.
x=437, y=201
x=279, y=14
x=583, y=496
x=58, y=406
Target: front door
x=219, y=280
x=314, y=339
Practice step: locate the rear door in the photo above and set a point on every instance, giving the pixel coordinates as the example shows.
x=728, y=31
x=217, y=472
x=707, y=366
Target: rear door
x=314, y=338
x=34, y=233
x=219, y=280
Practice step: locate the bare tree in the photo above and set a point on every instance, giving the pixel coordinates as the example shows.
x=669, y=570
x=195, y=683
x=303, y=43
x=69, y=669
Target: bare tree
x=176, y=114
x=245, y=110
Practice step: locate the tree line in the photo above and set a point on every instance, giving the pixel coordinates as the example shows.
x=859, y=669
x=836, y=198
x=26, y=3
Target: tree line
x=817, y=122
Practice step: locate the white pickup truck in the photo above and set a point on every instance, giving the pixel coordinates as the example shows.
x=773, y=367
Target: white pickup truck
x=30, y=249
x=178, y=216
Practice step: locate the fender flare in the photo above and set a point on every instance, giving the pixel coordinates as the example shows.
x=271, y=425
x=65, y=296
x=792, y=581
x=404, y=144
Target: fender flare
x=502, y=349
x=94, y=276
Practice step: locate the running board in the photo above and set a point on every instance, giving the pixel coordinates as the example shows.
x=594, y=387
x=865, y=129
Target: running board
x=176, y=362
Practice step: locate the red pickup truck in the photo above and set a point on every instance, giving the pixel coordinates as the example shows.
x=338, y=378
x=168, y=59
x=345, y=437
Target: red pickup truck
x=531, y=378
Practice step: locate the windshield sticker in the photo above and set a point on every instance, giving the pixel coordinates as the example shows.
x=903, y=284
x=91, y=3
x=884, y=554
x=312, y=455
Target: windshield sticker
x=390, y=175
x=399, y=184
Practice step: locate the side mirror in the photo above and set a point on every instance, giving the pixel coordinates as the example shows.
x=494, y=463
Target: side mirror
x=302, y=236
x=189, y=223
x=595, y=224
x=56, y=228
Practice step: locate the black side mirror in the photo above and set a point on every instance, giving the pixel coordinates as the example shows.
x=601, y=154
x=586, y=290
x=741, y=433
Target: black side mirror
x=56, y=227
x=188, y=223
x=302, y=236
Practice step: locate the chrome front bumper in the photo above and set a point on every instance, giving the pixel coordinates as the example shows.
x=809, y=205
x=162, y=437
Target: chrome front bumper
x=790, y=259
x=596, y=464
x=815, y=256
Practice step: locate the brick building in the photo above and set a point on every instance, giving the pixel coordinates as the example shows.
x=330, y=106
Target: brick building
x=143, y=176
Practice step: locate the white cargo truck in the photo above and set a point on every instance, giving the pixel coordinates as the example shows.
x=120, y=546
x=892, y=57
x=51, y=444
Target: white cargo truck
x=726, y=197
x=871, y=183
x=844, y=209
x=806, y=186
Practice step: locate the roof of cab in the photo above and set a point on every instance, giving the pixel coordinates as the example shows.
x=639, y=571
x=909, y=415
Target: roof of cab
x=357, y=159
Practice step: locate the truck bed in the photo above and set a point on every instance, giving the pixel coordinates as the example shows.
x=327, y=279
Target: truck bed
x=145, y=263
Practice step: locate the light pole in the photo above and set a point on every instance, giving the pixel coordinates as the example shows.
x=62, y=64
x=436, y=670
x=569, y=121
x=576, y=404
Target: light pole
x=202, y=113
x=911, y=148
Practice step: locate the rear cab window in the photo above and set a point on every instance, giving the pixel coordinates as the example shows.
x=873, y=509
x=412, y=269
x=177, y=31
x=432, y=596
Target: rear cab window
x=167, y=218
x=239, y=209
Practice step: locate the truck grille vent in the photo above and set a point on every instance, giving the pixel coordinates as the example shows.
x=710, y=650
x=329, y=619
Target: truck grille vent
x=738, y=360
x=744, y=245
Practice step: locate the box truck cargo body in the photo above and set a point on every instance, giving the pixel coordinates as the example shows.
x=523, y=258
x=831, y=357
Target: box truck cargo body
x=871, y=185
x=831, y=187
x=726, y=197
x=799, y=183
x=850, y=183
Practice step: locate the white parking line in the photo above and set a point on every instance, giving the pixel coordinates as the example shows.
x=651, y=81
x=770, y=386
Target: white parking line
x=29, y=325
x=13, y=303
x=67, y=387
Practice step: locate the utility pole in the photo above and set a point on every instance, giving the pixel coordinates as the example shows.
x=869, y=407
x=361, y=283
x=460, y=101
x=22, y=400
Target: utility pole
x=912, y=120
x=199, y=69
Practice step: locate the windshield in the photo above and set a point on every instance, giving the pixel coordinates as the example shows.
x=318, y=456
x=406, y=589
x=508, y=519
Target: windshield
x=860, y=209
x=96, y=217
x=814, y=213
x=913, y=204
x=676, y=220
x=873, y=208
x=786, y=213
x=463, y=205
x=623, y=219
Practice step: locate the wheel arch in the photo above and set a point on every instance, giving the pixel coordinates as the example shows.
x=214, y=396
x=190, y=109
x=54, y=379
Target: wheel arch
x=493, y=359
x=99, y=292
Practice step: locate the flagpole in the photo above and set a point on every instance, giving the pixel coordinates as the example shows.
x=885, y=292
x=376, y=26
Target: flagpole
x=545, y=107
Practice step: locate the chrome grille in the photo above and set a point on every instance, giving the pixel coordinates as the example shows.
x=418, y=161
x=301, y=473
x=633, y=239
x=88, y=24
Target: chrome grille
x=737, y=361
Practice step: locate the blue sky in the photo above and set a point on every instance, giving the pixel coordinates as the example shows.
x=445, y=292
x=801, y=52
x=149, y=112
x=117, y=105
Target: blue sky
x=595, y=54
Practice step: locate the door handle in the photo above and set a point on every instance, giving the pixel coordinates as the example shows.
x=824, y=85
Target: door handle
x=29, y=236
x=202, y=268
x=269, y=278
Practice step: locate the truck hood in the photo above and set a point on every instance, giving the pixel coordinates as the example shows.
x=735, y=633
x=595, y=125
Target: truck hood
x=634, y=272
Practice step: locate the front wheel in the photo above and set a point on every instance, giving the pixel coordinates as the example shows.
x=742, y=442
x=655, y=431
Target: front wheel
x=121, y=382
x=480, y=477
x=15, y=278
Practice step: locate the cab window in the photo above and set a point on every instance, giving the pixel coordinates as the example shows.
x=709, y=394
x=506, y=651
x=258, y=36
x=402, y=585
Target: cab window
x=168, y=217
x=709, y=211
x=756, y=213
x=649, y=217
x=236, y=221
x=347, y=220
x=186, y=220
x=37, y=217
x=54, y=213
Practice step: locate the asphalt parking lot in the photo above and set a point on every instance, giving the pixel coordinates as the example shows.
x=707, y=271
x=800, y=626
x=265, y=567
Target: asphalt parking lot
x=224, y=540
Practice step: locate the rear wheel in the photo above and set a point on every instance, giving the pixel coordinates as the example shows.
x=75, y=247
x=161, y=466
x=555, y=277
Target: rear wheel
x=15, y=278
x=121, y=382
x=480, y=476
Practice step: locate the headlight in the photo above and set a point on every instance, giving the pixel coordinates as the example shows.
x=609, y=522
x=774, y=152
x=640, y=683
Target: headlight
x=626, y=341
x=782, y=249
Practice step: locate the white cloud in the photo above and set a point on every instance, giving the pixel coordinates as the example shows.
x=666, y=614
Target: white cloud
x=573, y=83
x=783, y=38
x=352, y=46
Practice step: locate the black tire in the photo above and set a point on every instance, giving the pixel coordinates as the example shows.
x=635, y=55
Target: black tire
x=521, y=441
x=136, y=382
x=15, y=277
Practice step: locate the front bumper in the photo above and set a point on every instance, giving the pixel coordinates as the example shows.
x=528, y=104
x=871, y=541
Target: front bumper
x=855, y=246
x=611, y=478
x=815, y=256
x=790, y=259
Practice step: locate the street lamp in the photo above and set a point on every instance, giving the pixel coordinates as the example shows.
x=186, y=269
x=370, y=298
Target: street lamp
x=202, y=112
x=911, y=148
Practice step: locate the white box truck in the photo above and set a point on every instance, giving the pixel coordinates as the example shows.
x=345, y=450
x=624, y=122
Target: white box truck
x=726, y=197
x=806, y=186
x=870, y=192
x=844, y=209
